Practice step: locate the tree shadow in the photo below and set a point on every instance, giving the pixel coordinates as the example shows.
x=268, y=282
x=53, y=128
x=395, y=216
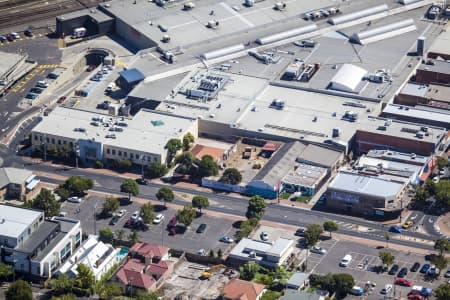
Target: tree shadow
x=159, y=208
x=124, y=201
x=237, y=224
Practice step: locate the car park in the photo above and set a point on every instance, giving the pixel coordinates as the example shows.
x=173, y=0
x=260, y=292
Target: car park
x=264, y=236
x=226, y=239
x=393, y=270
x=158, y=219
x=74, y=199
x=415, y=267
x=318, y=250
x=386, y=289
x=121, y=213
x=403, y=272
x=424, y=268
x=403, y=282
x=201, y=228
x=114, y=220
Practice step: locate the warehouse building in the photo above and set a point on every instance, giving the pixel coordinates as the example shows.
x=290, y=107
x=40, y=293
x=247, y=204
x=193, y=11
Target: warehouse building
x=141, y=139
x=95, y=21
x=423, y=115
x=436, y=71
x=365, y=195
x=429, y=95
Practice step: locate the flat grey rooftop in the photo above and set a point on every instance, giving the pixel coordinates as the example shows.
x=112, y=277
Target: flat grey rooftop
x=93, y=13
x=433, y=92
x=438, y=66
x=16, y=219
x=412, y=112
x=7, y=61
x=139, y=135
x=365, y=185
x=40, y=235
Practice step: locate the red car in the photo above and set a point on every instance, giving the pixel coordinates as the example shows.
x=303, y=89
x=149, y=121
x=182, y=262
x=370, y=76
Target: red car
x=172, y=222
x=403, y=281
x=61, y=99
x=415, y=297
x=91, y=68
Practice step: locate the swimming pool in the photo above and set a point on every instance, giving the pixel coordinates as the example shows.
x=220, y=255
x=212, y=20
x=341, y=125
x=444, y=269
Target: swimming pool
x=122, y=253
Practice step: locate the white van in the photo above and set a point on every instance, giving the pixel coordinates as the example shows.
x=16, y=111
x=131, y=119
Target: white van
x=346, y=260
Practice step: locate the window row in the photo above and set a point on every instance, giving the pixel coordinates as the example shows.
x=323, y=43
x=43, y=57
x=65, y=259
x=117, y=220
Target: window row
x=131, y=155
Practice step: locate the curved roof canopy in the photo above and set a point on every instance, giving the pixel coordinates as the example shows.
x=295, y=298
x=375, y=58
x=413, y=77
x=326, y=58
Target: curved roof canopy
x=347, y=78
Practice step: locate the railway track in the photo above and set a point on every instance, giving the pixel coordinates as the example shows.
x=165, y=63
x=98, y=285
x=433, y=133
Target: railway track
x=18, y=12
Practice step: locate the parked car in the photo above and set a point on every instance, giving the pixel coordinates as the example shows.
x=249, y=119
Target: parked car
x=114, y=220
x=201, y=252
x=357, y=291
x=37, y=90
x=3, y=38
x=403, y=272
x=61, y=99
x=139, y=224
x=15, y=35
x=91, y=68
x=142, y=181
x=426, y=291
x=415, y=267
x=158, y=219
x=387, y=289
x=447, y=274
x=433, y=271
x=201, y=228
x=74, y=199
x=177, y=229
x=32, y=96
x=317, y=249
x=300, y=232
x=395, y=229
x=129, y=223
x=121, y=213
x=42, y=84
x=393, y=270
x=172, y=222
x=424, y=268
x=135, y=215
x=28, y=32
x=403, y=282
x=226, y=239
x=9, y=37
x=415, y=297
x=264, y=236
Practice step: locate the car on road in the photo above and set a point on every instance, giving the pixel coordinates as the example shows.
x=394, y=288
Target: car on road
x=387, y=289
x=201, y=228
x=393, y=269
x=408, y=224
x=395, y=229
x=28, y=32
x=226, y=239
x=74, y=199
x=96, y=78
x=158, y=219
x=135, y=215
x=425, y=268
x=121, y=213
x=142, y=181
x=300, y=232
x=318, y=250
x=114, y=220
x=61, y=99
x=403, y=272
x=415, y=267
x=403, y=282
x=264, y=236
x=15, y=35
x=32, y=96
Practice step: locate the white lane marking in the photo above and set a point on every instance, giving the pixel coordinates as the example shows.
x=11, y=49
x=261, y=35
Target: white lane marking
x=235, y=13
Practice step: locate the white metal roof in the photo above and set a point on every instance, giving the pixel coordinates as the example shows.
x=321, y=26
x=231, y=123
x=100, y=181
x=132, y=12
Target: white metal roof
x=359, y=14
x=384, y=32
x=14, y=220
x=348, y=78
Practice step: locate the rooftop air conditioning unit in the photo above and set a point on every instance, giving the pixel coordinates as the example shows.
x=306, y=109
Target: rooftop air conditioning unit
x=280, y=6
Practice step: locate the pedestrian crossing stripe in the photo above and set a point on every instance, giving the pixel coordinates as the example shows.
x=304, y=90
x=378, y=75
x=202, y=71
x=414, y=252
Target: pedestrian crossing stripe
x=51, y=66
x=121, y=63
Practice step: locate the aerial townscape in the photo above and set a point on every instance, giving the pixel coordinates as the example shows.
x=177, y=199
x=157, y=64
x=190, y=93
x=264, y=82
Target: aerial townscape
x=225, y=149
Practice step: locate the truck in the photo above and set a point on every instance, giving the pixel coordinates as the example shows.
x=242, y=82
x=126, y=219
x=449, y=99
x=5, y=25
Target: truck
x=247, y=153
x=79, y=32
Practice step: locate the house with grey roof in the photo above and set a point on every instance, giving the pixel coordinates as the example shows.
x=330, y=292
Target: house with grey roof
x=17, y=183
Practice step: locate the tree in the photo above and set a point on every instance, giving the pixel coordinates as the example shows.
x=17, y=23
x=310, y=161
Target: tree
x=343, y=284
x=219, y=253
x=172, y=146
x=312, y=234
x=130, y=187
x=109, y=290
x=46, y=201
x=106, y=235
x=443, y=245
x=141, y=295
x=330, y=226
x=249, y=270
x=5, y=270
x=245, y=228
x=165, y=194
x=280, y=274
x=120, y=233
x=270, y=295
x=156, y=170
x=121, y=165
x=442, y=162
x=231, y=176
x=65, y=153
x=421, y=194
x=19, y=290
x=200, y=202
x=256, y=208
x=77, y=185
x=147, y=213
x=207, y=167
x=62, y=284
x=387, y=237
x=440, y=262
x=133, y=236
x=188, y=140
x=186, y=215
x=110, y=205
x=442, y=292
x=387, y=258
x=185, y=163
x=85, y=279
x=430, y=186
x=442, y=190
x=65, y=297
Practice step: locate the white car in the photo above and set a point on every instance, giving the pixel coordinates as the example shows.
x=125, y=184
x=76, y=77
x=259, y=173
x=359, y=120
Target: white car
x=135, y=215
x=121, y=213
x=264, y=236
x=74, y=199
x=319, y=250
x=387, y=289
x=201, y=252
x=158, y=219
x=226, y=239
x=447, y=274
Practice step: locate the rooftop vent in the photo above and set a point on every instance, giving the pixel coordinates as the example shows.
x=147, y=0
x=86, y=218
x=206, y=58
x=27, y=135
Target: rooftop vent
x=157, y=123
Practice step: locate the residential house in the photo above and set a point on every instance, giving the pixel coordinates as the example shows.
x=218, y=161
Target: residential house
x=237, y=289
x=17, y=184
